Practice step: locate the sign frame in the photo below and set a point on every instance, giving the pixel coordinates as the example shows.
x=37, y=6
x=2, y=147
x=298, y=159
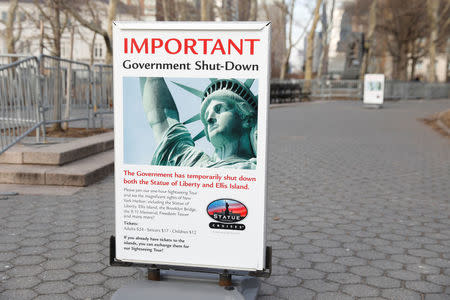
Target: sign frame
x=117, y=256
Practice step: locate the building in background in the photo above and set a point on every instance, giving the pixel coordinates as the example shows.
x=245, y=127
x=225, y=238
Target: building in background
x=88, y=47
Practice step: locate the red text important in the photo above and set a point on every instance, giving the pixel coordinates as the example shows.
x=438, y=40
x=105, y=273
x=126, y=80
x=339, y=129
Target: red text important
x=190, y=46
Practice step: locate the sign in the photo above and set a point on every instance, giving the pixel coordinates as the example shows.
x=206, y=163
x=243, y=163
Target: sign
x=373, y=89
x=191, y=104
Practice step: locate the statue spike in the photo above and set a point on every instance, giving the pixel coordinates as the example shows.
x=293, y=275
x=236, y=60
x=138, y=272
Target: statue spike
x=200, y=135
x=193, y=119
x=249, y=82
x=190, y=90
x=213, y=79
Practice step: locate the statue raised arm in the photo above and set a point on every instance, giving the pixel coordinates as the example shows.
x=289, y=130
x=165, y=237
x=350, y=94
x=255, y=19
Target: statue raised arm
x=159, y=107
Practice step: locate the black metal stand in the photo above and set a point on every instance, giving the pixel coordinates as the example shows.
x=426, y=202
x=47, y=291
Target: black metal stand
x=224, y=275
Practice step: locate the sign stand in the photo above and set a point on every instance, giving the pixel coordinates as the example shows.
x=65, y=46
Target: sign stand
x=177, y=282
x=373, y=90
x=375, y=106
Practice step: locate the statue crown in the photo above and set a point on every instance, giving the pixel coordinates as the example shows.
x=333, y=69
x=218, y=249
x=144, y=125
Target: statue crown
x=235, y=86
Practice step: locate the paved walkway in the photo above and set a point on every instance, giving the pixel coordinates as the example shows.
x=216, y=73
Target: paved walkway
x=358, y=207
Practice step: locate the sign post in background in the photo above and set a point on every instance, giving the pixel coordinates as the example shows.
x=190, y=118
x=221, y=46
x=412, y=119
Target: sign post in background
x=374, y=89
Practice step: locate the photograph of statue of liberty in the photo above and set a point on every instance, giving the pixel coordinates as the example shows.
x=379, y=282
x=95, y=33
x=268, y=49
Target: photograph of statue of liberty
x=191, y=122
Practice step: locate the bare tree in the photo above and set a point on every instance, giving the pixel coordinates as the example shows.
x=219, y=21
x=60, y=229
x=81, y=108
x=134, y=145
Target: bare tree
x=368, y=42
x=403, y=33
x=51, y=13
x=438, y=31
x=288, y=12
x=403, y=29
x=93, y=24
x=310, y=44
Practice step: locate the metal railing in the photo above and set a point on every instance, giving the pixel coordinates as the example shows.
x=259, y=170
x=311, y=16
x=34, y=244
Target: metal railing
x=293, y=90
x=7, y=59
x=395, y=90
x=336, y=89
x=66, y=86
x=20, y=102
x=35, y=92
x=102, y=89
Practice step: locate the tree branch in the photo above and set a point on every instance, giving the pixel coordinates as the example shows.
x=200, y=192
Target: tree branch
x=90, y=25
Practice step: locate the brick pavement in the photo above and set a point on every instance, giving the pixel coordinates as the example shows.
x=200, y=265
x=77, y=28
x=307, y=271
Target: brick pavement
x=358, y=207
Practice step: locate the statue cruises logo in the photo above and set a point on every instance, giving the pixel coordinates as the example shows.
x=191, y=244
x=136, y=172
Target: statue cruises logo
x=226, y=212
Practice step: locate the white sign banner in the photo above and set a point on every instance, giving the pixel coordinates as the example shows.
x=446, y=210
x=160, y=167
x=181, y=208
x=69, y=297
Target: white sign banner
x=373, y=89
x=191, y=104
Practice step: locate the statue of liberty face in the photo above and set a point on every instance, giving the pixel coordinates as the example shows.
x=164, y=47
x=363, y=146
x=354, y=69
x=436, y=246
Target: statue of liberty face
x=223, y=123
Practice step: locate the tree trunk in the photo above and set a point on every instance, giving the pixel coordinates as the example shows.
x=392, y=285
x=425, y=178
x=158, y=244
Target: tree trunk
x=57, y=28
x=108, y=39
x=159, y=7
x=324, y=39
x=368, y=42
x=400, y=62
x=204, y=10
x=169, y=10
x=413, y=68
x=57, y=52
x=41, y=45
x=226, y=11
x=403, y=62
x=447, y=47
x=285, y=64
x=244, y=8
x=183, y=11
x=92, y=49
x=310, y=47
x=432, y=7
x=254, y=10
x=9, y=30
x=285, y=60
x=65, y=125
